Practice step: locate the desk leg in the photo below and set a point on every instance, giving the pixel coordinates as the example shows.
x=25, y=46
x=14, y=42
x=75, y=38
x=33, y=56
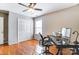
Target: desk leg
x=59, y=51
x=77, y=51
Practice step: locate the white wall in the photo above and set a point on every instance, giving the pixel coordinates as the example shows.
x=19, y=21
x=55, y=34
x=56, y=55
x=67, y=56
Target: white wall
x=53, y=22
x=13, y=28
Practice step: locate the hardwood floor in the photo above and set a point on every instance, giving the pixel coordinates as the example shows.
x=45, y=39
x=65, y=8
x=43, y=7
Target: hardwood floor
x=25, y=48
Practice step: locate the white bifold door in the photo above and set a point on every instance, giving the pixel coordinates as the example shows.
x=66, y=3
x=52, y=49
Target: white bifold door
x=1, y=30
x=25, y=29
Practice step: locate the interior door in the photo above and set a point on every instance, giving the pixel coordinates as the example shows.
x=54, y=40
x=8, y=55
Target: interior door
x=1, y=30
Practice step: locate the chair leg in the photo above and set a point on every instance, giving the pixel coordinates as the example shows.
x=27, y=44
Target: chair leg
x=47, y=51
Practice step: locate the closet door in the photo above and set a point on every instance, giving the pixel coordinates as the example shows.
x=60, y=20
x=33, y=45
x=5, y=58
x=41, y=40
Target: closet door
x=25, y=29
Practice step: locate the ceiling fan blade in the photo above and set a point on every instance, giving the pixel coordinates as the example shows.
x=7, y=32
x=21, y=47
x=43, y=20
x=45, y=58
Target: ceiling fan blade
x=22, y=4
x=38, y=9
x=25, y=10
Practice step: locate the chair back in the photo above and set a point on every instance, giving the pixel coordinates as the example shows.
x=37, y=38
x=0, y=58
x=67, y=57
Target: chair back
x=41, y=35
x=45, y=40
x=42, y=38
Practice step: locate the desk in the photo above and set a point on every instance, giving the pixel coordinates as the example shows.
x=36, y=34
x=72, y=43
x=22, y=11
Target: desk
x=68, y=46
x=60, y=46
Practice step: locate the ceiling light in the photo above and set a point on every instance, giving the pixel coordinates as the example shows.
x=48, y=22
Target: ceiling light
x=31, y=10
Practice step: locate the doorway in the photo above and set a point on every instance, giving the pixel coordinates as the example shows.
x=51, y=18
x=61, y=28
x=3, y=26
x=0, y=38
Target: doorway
x=1, y=30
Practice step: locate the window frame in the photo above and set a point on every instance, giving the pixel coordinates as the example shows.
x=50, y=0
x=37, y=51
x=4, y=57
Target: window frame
x=38, y=27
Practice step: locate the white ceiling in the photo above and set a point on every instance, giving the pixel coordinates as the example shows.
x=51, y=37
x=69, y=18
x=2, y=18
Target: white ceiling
x=47, y=8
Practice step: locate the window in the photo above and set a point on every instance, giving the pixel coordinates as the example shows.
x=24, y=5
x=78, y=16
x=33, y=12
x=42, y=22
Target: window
x=66, y=32
x=38, y=26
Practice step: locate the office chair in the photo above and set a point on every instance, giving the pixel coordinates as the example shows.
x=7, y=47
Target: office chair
x=46, y=42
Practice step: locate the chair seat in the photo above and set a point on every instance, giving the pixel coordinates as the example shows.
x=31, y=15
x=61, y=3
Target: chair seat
x=48, y=44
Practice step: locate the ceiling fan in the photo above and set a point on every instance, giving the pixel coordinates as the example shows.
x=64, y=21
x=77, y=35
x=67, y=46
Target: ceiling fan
x=30, y=6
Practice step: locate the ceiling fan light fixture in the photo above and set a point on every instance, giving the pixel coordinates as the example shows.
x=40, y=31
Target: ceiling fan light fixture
x=31, y=10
